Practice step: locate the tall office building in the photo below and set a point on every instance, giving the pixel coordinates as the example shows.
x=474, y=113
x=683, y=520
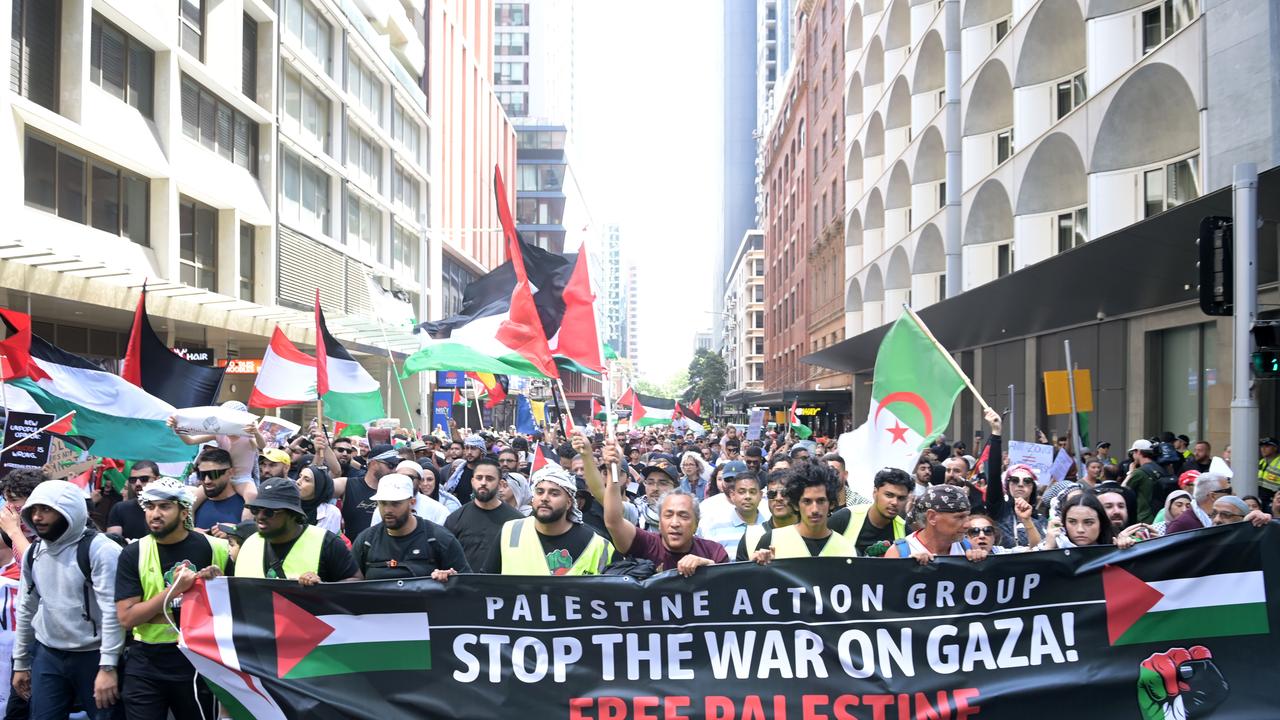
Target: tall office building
x=232, y=155
x=632, y=327
x=1087, y=135
x=614, y=300
x=738, y=145
x=744, y=300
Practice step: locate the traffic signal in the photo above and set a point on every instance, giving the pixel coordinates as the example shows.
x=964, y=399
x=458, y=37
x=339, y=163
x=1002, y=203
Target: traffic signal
x=1266, y=358
x=1216, y=286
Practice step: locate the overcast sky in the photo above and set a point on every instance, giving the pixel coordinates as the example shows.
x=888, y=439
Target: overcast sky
x=648, y=105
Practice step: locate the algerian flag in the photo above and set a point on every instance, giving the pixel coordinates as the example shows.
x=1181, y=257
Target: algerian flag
x=913, y=392
x=1163, y=611
x=793, y=419
x=317, y=645
x=349, y=392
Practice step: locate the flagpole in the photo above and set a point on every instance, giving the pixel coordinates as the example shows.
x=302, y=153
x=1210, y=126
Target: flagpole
x=954, y=365
x=396, y=371
x=466, y=404
x=25, y=438
x=610, y=428
x=4, y=379
x=568, y=418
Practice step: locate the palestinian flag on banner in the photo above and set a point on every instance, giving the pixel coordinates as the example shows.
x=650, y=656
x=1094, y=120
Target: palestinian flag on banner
x=287, y=376
x=913, y=393
x=1229, y=602
x=793, y=419
x=349, y=392
x=647, y=410
x=123, y=420
x=310, y=645
x=152, y=366
x=504, y=324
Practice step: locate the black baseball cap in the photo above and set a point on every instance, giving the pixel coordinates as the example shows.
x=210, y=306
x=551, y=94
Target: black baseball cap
x=669, y=471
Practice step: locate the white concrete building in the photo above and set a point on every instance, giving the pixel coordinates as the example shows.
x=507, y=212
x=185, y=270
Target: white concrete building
x=159, y=142
x=743, y=343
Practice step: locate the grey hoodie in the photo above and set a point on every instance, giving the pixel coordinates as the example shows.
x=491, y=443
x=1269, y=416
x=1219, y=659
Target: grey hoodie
x=54, y=616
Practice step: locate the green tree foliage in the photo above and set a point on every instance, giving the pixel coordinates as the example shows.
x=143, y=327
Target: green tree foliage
x=708, y=378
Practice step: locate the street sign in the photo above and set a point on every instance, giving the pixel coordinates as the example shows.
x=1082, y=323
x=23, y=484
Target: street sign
x=1057, y=392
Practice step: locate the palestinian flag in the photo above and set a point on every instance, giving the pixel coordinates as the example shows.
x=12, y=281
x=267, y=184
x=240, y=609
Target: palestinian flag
x=913, y=393
x=539, y=459
x=696, y=408
x=122, y=419
x=349, y=392
x=310, y=645
x=501, y=328
x=341, y=429
x=628, y=398
x=458, y=399
x=287, y=376
x=152, y=366
x=648, y=410
x=1224, y=604
x=797, y=427
x=579, y=338
x=211, y=648
x=597, y=410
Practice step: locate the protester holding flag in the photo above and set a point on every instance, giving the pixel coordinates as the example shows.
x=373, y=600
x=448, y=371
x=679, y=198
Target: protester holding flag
x=151, y=573
x=285, y=546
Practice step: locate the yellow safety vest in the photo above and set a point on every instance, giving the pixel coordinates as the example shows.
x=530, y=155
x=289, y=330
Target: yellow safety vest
x=1269, y=472
x=303, y=557
x=522, y=552
x=752, y=538
x=152, y=577
x=787, y=543
x=858, y=517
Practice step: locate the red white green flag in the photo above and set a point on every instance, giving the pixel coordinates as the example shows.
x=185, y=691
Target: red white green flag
x=793, y=419
x=913, y=393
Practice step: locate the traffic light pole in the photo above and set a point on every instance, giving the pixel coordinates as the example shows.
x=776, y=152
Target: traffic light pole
x=1244, y=408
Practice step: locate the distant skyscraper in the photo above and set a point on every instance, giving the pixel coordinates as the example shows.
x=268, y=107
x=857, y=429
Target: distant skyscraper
x=738, y=152
x=614, y=309
x=631, y=338
x=702, y=340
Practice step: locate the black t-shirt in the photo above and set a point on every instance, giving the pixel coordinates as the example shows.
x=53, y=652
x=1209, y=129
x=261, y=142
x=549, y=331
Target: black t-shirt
x=814, y=545
x=566, y=547
x=129, y=516
x=744, y=553
x=194, y=548
x=478, y=529
x=870, y=535
x=429, y=547
x=462, y=490
x=357, y=507
x=336, y=564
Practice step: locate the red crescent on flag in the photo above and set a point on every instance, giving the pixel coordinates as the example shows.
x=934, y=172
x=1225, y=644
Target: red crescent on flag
x=911, y=399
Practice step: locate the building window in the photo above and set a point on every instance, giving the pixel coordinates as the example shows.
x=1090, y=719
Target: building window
x=1004, y=259
x=942, y=287
x=306, y=193
x=191, y=27
x=404, y=249
x=1167, y=187
x=246, y=261
x=1001, y=30
x=511, y=14
x=1073, y=229
x=121, y=65
x=210, y=121
x=1185, y=359
x=757, y=346
x=198, y=244
x=365, y=157
x=406, y=191
x=33, y=60
x=364, y=85
x=515, y=103
x=306, y=109
x=1161, y=21
x=757, y=319
x=511, y=43
x=511, y=73
x=249, y=58
x=536, y=178
x=364, y=227
x=309, y=28
x=75, y=186
x=406, y=131
x=1004, y=146
x=1070, y=93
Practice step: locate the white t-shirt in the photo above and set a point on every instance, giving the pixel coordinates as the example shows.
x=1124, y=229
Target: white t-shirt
x=913, y=542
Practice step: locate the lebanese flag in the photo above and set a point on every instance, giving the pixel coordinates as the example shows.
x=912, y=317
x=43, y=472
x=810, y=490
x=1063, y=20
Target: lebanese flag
x=539, y=460
x=287, y=377
x=152, y=366
x=913, y=394
x=522, y=329
x=349, y=392
x=579, y=338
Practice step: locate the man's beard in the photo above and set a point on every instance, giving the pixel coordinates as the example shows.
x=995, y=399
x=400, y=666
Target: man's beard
x=555, y=515
x=56, y=529
x=395, y=523
x=169, y=528
x=484, y=494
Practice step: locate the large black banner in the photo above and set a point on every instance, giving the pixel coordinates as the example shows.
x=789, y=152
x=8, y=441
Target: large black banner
x=1177, y=627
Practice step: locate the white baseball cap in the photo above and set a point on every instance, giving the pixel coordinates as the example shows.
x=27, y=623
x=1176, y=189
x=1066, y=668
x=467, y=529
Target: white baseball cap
x=1140, y=445
x=394, y=488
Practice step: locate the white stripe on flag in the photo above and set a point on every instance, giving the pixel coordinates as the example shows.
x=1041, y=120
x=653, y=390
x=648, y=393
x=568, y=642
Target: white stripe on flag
x=381, y=627
x=348, y=376
x=1207, y=591
x=101, y=391
x=284, y=379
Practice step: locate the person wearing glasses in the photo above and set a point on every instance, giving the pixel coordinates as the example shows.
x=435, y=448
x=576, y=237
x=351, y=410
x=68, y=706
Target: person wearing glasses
x=285, y=546
x=780, y=515
x=1231, y=509
x=127, y=519
x=243, y=448
x=1208, y=489
x=221, y=504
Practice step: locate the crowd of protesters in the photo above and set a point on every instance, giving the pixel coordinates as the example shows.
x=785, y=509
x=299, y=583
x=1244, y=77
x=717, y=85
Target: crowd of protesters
x=92, y=577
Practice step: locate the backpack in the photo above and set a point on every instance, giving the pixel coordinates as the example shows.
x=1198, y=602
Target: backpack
x=83, y=546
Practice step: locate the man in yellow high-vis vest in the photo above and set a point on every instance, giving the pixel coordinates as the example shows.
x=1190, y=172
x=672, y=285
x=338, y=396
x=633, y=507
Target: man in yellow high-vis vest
x=552, y=540
x=160, y=567
x=285, y=546
x=812, y=489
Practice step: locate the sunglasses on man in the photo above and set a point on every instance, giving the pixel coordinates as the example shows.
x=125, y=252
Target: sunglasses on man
x=140, y=478
x=211, y=474
x=264, y=513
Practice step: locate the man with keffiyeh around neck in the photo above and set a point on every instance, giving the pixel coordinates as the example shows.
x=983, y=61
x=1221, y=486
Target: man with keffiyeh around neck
x=552, y=540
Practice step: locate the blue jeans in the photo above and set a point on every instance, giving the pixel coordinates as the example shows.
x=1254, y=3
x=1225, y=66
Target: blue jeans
x=60, y=678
